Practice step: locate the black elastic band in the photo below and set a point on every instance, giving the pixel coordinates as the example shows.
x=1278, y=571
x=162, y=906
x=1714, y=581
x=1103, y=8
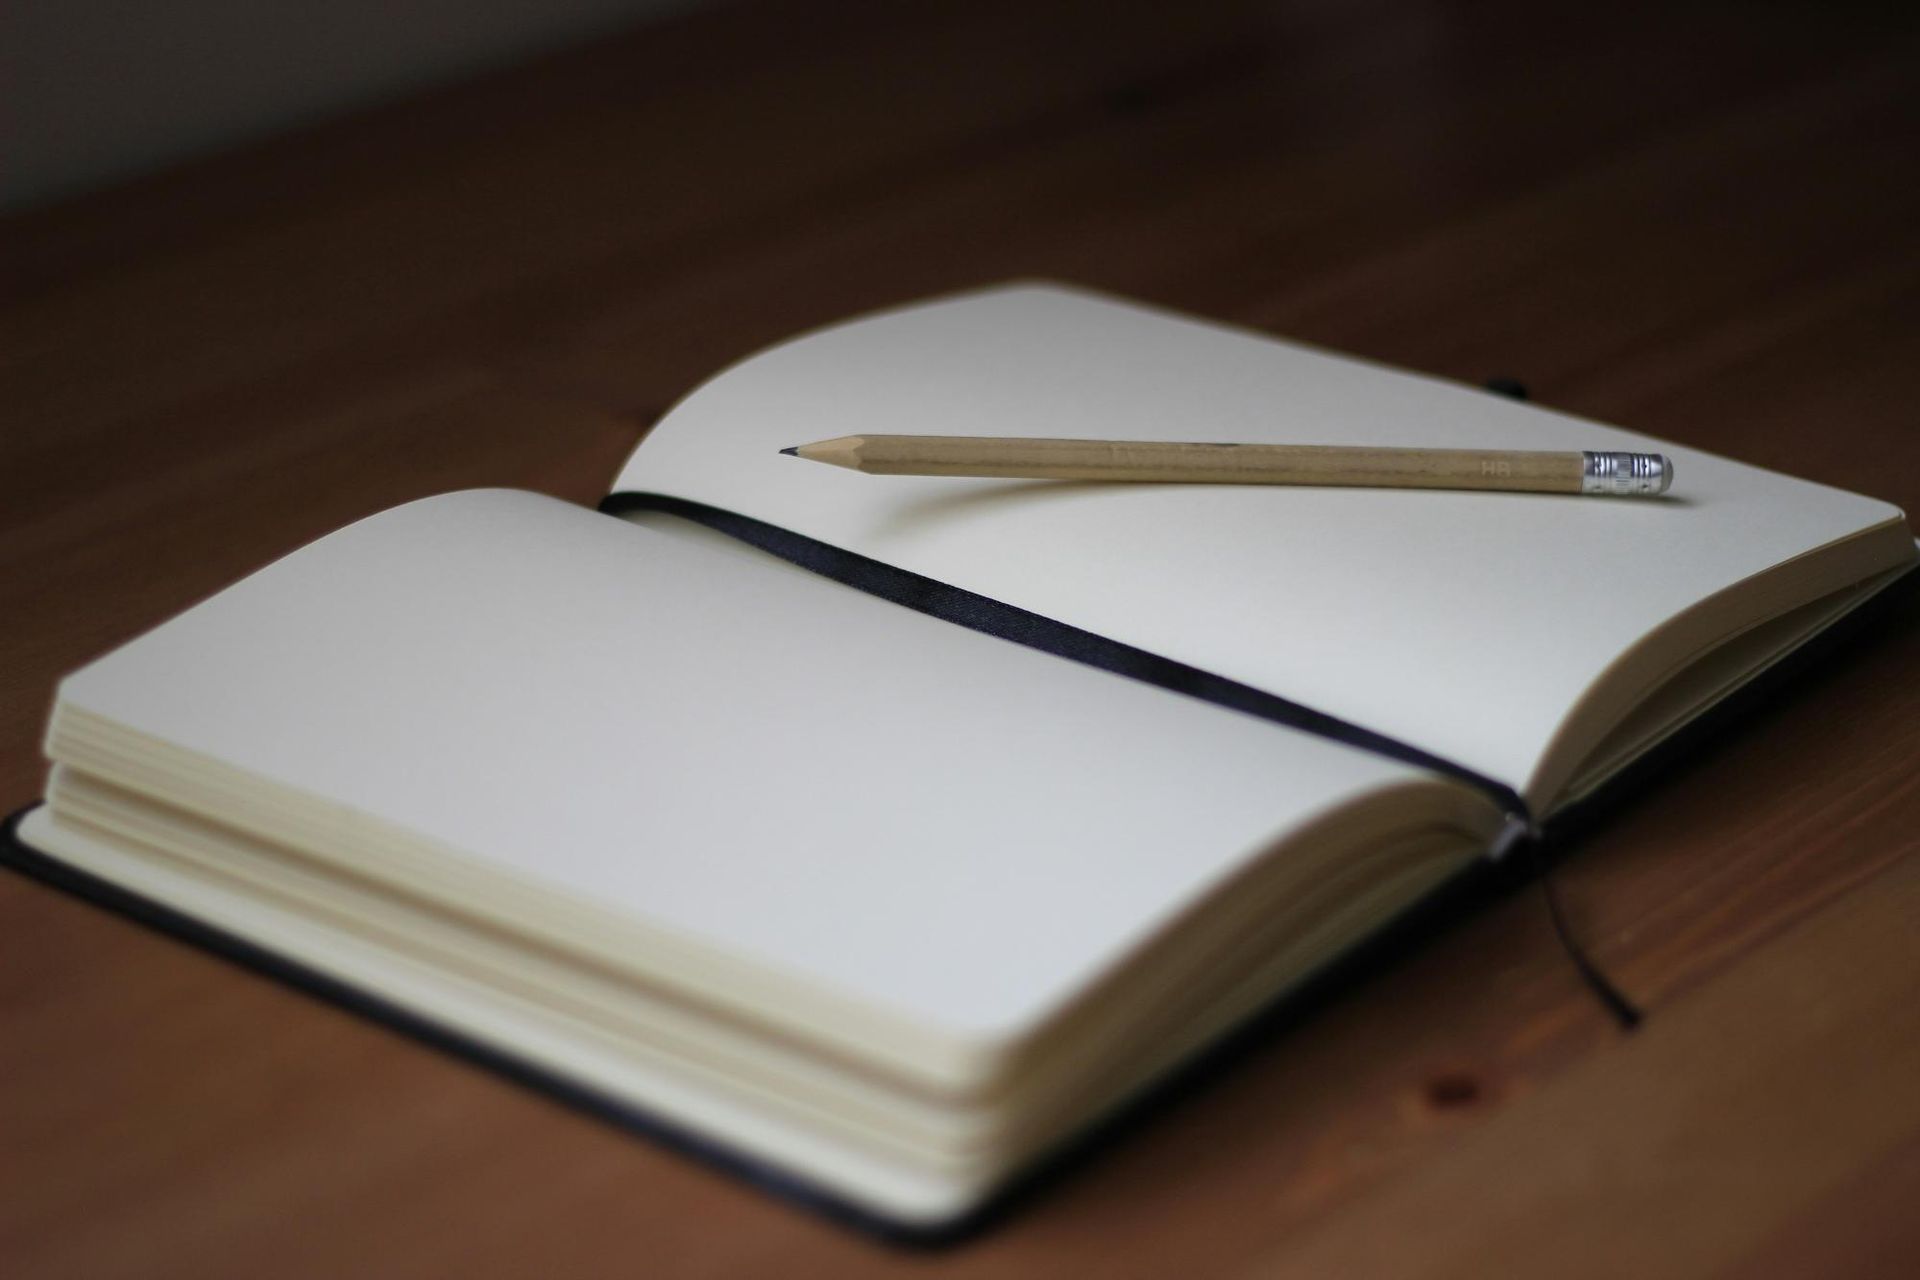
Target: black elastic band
x=1036, y=631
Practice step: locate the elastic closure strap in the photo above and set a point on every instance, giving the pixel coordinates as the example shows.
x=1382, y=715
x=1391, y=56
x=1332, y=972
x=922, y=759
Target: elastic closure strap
x=1036, y=631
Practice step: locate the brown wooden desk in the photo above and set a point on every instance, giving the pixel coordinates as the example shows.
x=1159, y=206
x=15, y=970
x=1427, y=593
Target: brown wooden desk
x=1699, y=223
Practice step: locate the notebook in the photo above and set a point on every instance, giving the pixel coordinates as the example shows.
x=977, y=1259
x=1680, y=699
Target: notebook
x=885, y=834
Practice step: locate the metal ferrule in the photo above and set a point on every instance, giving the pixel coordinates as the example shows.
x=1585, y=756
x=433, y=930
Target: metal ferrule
x=1625, y=474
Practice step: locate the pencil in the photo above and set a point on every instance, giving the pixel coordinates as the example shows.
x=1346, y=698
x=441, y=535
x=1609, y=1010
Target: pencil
x=1180, y=462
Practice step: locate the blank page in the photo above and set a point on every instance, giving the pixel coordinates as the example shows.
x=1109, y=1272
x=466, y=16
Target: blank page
x=1466, y=623
x=931, y=822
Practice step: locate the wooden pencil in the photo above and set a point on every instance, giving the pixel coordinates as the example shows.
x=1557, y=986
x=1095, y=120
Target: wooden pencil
x=1182, y=462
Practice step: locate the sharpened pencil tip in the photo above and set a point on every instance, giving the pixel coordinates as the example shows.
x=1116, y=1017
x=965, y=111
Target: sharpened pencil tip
x=792, y=452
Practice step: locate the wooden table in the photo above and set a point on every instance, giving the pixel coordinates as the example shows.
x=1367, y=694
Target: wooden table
x=1701, y=223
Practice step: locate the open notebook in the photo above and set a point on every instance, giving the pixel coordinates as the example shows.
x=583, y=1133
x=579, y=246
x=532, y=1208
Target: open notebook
x=895, y=900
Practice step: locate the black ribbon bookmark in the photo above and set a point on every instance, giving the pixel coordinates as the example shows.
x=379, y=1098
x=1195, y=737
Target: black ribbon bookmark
x=1036, y=631
x=1522, y=833
x=1625, y=1013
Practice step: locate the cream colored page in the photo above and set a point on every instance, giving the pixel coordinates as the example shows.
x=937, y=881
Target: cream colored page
x=1467, y=623
x=915, y=816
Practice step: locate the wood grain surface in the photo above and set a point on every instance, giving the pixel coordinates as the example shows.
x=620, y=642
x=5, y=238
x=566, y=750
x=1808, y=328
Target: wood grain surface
x=1699, y=222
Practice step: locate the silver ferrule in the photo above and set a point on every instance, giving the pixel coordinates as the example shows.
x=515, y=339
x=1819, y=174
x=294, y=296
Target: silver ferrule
x=1625, y=474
